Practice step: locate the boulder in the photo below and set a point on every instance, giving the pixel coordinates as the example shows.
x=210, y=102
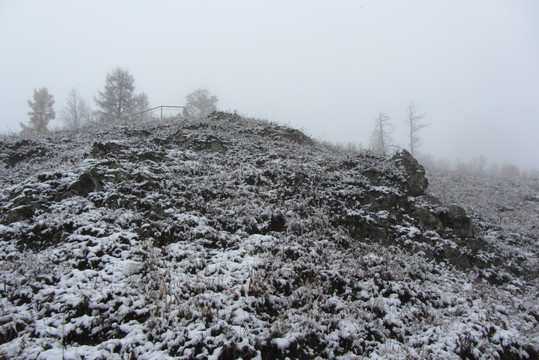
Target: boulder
x=205, y=143
x=426, y=219
x=416, y=183
x=86, y=183
x=100, y=150
x=455, y=218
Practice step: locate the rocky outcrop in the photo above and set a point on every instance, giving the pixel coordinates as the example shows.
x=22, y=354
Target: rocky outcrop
x=125, y=241
x=86, y=183
x=107, y=149
x=373, y=199
x=20, y=151
x=416, y=183
x=455, y=218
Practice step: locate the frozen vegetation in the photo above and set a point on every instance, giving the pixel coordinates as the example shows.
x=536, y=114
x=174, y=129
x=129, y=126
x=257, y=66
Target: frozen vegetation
x=236, y=238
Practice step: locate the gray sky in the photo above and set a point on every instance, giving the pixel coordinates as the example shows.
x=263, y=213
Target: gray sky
x=327, y=67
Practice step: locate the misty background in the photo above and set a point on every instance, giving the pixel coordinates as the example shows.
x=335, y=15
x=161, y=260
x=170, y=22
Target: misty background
x=326, y=67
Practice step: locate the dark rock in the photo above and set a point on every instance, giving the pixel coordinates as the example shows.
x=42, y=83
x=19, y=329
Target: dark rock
x=349, y=164
x=137, y=133
x=176, y=138
x=21, y=154
x=205, y=143
x=372, y=174
x=155, y=156
x=383, y=201
x=277, y=222
x=416, y=183
x=86, y=183
x=21, y=213
x=361, y=229
x=426, y=219
x=20, y=143
x=455, y=218
x=454, y=257
x=49, y=177
x=101, y=150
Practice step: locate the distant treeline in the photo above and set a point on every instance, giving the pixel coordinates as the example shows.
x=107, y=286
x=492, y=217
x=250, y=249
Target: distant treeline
x=479, y=166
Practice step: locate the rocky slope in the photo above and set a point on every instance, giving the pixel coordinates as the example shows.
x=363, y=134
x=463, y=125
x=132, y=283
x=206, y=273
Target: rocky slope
x=231, y=237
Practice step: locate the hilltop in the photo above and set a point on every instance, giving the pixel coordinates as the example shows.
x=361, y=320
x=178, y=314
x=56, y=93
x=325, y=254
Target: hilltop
x=231, y=237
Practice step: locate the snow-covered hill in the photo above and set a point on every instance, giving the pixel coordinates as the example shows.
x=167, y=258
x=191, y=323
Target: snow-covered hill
x=234, y=238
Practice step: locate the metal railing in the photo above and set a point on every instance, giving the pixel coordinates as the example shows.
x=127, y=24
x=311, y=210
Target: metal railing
x=165, y=107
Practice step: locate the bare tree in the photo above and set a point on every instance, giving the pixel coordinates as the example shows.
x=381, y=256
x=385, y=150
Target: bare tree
x=117, y=100
x=200, y=103
x=42, y=112
x=76, y=112
x=381, y=139
x=415, y=123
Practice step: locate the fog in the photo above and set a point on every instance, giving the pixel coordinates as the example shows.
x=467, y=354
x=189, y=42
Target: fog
x=326, y=67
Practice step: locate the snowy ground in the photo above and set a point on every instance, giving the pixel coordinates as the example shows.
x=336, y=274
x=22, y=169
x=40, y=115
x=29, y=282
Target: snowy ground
x=239, y=238
x=505, y=210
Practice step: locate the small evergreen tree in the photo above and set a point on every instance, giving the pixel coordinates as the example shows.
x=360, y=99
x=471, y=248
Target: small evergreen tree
x=42, y=112
x=117, y=100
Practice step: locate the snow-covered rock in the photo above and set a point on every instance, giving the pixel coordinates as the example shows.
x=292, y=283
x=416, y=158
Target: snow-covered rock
x=237, y=238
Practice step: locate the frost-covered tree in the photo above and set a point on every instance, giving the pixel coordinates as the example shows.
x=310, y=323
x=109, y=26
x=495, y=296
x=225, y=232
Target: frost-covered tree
x=200, y=104
x=141, y=104
x=381, y=139
x=76, y=112
x=42, y=112
x=510, y=171
x=415, y=123
x=117, y=99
